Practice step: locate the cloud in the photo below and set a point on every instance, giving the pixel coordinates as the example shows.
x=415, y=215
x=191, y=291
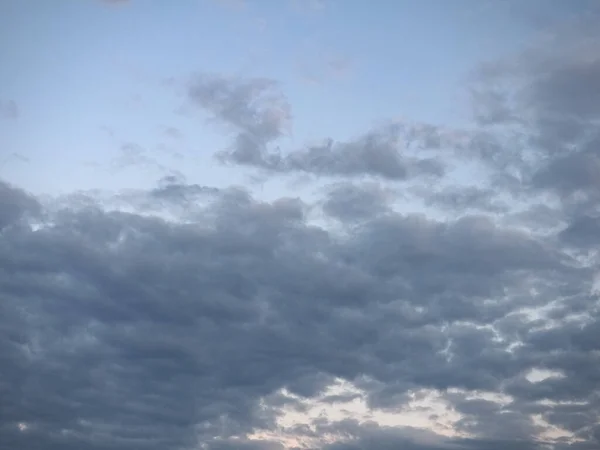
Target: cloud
x=349, y=202
x=252, y=107
x=129, y=330
x=359, y=436
x=17, y=206
x=259, y=115
x=554, y=96
x=185, y=316
x=9, y=110
x=375, y=154
x=459, y=199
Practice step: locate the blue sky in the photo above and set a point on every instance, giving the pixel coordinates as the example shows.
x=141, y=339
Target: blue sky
x=77, y=69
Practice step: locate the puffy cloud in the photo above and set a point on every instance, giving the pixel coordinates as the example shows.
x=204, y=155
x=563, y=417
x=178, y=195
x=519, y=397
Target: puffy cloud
x=123, y=330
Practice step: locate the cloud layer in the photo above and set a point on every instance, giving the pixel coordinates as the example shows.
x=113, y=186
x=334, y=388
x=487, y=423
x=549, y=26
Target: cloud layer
x=188, y=316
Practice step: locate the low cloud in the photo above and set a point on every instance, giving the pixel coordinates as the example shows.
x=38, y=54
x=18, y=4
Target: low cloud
x=136, y=327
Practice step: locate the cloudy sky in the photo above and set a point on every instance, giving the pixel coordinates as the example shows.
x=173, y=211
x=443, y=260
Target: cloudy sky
x=299, y=224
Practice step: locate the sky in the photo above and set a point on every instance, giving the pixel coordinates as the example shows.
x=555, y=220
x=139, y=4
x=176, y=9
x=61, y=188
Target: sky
x=299, y=224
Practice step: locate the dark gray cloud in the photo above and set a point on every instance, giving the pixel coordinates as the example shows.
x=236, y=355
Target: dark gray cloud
x=378, y=153
x=16, y=206
x=362, y=436
x=173, y=189
x=552, y=91
x=127, y=331
x=541, y=109
x=258, y=115
x=583, y=231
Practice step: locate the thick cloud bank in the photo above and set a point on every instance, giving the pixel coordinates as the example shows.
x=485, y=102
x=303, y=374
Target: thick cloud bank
x=198, y=317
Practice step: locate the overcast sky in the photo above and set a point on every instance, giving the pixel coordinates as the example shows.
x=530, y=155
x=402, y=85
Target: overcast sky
x=299, y=224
